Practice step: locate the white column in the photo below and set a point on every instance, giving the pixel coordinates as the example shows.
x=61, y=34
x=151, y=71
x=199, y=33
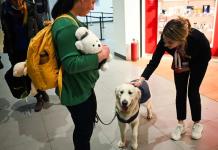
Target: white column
x=126, y=24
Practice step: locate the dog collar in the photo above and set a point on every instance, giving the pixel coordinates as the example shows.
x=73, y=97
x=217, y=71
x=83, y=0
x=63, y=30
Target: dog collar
x=129, y=120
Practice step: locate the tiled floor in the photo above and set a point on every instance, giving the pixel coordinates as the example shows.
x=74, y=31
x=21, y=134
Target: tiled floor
x=51, y=129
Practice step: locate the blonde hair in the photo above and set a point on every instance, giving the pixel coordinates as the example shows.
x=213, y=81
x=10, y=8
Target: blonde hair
x=177, y=29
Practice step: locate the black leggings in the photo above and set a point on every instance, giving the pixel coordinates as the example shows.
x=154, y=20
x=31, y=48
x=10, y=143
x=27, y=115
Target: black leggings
x=83, y=116
x=191, y=81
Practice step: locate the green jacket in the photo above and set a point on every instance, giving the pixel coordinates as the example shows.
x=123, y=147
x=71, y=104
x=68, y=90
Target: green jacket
x=80, y=71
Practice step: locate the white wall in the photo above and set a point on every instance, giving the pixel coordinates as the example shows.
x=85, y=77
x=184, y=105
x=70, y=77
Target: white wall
x=104, y=6
x=119, y=26
x=101, y=5
x=126, y=24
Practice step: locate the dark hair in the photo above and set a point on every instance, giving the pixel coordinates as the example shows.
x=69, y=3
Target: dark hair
x=62, y=7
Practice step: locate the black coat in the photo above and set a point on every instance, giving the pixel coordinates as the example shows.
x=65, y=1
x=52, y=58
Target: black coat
x=16, y=34
x=198, y=48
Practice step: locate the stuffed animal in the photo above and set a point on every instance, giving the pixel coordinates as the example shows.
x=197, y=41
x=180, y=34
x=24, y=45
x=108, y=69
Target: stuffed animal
x=89, y=43
x=19, y=70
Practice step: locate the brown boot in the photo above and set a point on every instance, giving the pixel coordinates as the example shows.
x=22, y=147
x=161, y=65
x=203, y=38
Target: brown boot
x=39, y=103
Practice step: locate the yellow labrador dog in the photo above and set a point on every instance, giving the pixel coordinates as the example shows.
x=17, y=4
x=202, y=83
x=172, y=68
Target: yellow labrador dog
x=128, y=99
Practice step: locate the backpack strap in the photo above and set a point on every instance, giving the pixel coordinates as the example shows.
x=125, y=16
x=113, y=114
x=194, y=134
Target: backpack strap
x=64, y=16
x=60, y=73
x=69, y=17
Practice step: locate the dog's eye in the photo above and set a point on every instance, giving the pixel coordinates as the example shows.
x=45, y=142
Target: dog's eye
x=121, y=92
x=130, y=93
x=93, y=45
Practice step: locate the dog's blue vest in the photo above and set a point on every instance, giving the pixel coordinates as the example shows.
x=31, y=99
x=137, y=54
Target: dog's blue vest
x=145, y=92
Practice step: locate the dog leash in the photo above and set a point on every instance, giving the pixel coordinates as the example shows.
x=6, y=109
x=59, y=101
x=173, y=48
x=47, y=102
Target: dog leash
x=97, y=118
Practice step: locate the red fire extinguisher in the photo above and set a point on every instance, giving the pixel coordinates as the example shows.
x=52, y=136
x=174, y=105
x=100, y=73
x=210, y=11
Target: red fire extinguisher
x=134, y=50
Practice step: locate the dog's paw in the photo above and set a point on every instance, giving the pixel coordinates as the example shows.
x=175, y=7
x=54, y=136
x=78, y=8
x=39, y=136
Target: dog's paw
x=121, y=144
x=134, y=146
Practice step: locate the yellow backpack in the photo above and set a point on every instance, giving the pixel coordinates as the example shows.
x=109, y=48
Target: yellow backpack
x=42, y=67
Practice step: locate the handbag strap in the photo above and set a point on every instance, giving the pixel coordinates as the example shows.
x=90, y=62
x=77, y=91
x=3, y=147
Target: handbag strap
x=177, y=60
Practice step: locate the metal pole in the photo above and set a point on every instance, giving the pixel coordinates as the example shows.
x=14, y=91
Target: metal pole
x=101, y=28
x=102, y=15
x=91, y=19
x=87, y=22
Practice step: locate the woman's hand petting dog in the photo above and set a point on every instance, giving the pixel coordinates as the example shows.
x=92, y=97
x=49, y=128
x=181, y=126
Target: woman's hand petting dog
x=137, y=82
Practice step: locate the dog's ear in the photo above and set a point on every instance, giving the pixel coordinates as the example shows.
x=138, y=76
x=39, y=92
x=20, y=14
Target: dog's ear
x=117, y=92
x=138, y=93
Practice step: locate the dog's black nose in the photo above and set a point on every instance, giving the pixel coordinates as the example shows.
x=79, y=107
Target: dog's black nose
x=124, y=102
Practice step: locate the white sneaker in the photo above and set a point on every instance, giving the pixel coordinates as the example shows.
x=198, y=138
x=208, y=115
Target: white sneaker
x=178, y=131
x=197, y=131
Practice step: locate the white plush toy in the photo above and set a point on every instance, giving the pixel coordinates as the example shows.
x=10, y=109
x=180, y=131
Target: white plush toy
x=20, y=70
x=89, y=43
